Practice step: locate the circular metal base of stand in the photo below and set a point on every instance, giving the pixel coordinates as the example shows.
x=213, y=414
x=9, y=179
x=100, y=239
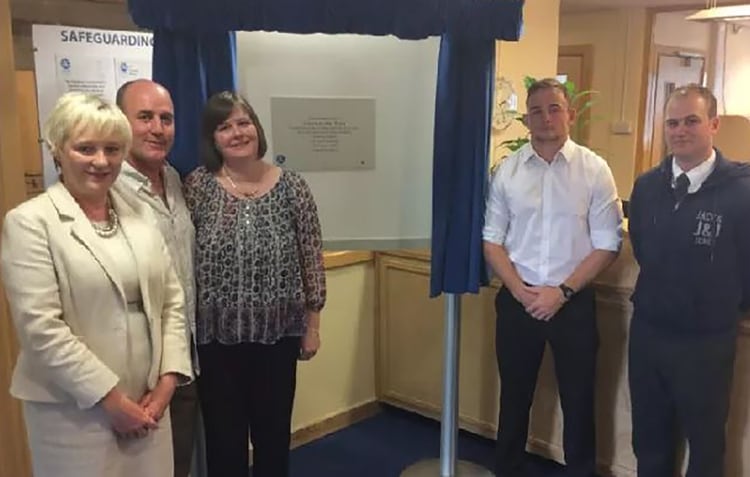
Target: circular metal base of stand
x=431, y=468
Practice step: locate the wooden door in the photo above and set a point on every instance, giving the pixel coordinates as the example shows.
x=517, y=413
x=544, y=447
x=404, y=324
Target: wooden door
x=574, y=63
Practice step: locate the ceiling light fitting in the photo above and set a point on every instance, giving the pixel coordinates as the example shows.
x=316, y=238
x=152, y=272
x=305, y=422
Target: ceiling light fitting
x=729, y=13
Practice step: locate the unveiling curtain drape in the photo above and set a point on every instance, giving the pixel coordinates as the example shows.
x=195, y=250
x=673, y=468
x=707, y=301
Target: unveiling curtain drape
x=463, y=109
x=192, y=67
x=194, y=57
x=406, y=19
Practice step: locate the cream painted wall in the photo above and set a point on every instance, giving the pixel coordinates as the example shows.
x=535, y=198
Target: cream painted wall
x=534, y=55
x=618, y=39
x=342, y=375
x=737, y=78
x=729, y=80
x=671, y=29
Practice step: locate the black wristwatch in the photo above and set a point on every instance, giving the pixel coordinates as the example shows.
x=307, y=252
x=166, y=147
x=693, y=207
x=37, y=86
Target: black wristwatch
x=567, y=291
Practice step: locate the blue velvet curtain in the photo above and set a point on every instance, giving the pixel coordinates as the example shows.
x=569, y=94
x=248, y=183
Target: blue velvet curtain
x=192, y=67
x=406, y=19
x=463, y=110
x=194, y=57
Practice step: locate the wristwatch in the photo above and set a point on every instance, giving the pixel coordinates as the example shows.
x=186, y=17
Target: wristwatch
x=567, y=291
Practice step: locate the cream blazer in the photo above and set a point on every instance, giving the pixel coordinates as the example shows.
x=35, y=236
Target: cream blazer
x=68, y=304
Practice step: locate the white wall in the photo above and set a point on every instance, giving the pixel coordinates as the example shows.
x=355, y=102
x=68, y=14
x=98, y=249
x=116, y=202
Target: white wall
x=387, y=207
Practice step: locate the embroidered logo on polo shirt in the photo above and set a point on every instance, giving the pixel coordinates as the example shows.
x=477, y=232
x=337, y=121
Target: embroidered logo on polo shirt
x=708, y=227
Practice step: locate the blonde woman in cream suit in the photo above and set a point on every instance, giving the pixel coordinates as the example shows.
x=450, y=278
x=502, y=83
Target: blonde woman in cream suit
x=97, y=307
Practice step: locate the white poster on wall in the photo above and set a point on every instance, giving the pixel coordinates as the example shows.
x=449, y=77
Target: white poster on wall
x=85, y=59
x=85, y=74
x=129, y=69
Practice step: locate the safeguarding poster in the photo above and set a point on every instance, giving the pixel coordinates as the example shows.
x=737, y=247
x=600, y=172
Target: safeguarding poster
x=86, y=74
x=85, y=59
x=129, y=69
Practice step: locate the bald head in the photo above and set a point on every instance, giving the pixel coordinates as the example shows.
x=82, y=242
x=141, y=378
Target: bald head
x=139, y=86
x=149, y=109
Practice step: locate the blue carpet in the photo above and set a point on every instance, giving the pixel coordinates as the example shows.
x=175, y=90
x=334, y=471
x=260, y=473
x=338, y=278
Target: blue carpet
x=384, y=445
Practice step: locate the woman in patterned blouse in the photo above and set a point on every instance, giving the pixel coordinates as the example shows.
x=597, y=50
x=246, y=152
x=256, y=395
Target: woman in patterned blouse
x=260, y=284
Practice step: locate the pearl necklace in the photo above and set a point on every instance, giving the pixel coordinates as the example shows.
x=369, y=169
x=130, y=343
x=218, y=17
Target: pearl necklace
x=110, y=228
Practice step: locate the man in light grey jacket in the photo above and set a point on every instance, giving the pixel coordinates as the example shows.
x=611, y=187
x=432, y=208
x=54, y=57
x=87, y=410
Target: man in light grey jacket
x=147, y=176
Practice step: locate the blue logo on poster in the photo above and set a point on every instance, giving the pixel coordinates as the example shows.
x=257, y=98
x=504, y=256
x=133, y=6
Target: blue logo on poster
x=124, y=67
x=280, y=159
x=65, y=63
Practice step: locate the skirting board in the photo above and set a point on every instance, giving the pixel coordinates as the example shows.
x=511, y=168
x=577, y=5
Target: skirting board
x=334, y=423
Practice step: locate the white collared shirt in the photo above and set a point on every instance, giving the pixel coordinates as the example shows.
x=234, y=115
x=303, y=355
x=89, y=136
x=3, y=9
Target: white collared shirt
x=550, y=216
x=175, y=224
x=697, y=174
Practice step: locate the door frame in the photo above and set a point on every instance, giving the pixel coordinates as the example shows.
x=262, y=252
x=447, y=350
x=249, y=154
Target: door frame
x=645, y=121
x=586, y=52
x=647, y=147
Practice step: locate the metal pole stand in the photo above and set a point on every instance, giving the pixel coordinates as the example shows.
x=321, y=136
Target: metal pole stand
x=447, y=466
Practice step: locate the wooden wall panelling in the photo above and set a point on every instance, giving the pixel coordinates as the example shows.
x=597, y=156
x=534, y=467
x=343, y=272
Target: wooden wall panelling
x=28, y=116
x=14, y=457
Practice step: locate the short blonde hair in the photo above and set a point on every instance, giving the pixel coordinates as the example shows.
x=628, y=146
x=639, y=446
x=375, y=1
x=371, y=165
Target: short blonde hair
x=76, y=112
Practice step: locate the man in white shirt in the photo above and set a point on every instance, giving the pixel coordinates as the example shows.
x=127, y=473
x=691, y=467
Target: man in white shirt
x=147, y=176
x=553, y=223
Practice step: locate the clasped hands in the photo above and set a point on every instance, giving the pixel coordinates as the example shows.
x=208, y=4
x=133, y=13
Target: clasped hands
x=131, y=420
x=541, y=302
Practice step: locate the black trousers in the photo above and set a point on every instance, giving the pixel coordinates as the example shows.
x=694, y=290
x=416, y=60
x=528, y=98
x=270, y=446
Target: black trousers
x=247, y=390
x=183, y=411
x=520, y=341
x=679, y=388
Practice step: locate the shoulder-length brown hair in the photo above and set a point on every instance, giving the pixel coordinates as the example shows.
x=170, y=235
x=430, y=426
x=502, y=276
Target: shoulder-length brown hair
x=217, y=110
